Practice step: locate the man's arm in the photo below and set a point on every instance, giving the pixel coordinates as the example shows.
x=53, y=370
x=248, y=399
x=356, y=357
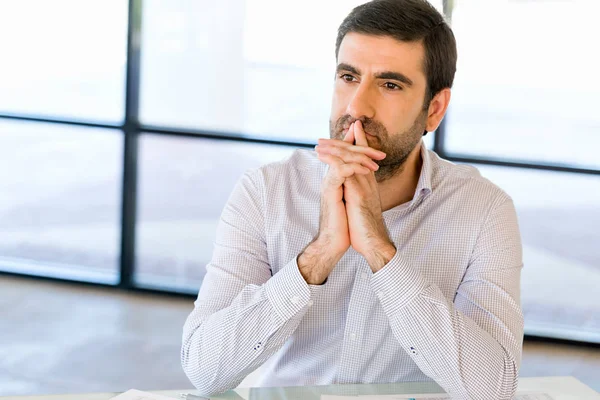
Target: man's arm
x=242, y=315
x=471, y=347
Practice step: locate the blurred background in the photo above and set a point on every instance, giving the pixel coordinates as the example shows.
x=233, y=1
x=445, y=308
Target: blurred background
x=125, y=124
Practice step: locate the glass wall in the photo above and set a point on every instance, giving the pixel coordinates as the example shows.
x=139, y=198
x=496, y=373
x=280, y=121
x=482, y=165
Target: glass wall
x=60, y=204
x=259, y=73
x=183, y=186
x=527, y=83
x=64, y=59
x=249, y=67
x=559, y=218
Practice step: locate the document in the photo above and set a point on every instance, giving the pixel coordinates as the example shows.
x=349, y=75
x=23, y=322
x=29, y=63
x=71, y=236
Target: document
x=432, y=396
x=134, y=394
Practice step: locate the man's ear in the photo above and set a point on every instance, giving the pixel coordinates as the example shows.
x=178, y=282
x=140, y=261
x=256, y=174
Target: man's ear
x=437, y=109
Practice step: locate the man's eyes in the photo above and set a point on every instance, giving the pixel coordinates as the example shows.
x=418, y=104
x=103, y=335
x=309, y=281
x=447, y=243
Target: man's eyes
x=392, y=86
x=347, y=77
x=388, y=85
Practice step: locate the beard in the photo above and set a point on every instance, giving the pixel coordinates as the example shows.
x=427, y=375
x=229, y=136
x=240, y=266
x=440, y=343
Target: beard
x=397, y=147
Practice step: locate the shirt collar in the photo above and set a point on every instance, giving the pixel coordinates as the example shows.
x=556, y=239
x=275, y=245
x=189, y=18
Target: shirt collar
x=424, y=184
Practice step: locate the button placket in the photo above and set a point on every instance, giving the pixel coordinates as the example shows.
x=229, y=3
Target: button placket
x=355, y=324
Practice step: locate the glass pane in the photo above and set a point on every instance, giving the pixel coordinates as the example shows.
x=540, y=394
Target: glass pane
x=183, y=186
x=233, y=66
x=559, y=218
x=527, y=85
x=60, y=204
x=64, y=58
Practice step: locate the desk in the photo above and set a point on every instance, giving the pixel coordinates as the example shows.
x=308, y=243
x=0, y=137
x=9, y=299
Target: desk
x=561, y=388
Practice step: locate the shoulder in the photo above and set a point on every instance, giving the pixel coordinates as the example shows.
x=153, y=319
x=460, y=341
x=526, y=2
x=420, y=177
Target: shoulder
x=466, y=181
x=302, y=167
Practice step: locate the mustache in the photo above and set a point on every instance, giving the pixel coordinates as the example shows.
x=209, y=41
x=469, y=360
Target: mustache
x=373, y=127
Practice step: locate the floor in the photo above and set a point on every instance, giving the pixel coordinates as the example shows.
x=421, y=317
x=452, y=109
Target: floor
x=68, y=338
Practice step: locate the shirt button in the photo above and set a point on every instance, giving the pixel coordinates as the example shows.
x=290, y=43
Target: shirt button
x=381, y=295
x=310, y=303
x=413, y=350
x=365, y=275
x=295, y=300
x=353, y=336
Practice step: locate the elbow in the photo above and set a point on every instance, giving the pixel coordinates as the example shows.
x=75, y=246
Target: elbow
x=503, y=386
x=202, y=374
x=207, y=386
x=509, y=381
x=498, y=383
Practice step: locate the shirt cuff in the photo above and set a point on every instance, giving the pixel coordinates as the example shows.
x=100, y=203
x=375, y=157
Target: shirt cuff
x=288, y=293
x=397, y=284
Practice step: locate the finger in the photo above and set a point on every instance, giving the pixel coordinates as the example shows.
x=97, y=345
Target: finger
x=348, y=156
x=369, y=151
x=345, y=139
x=342, y=169
x=349, y=138
x=359, y=134
x=364, y=181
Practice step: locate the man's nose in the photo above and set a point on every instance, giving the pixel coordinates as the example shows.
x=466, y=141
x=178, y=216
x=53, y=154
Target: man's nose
x=360, y=105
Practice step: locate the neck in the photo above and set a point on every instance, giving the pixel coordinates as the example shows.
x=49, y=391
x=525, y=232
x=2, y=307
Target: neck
x=400, y=188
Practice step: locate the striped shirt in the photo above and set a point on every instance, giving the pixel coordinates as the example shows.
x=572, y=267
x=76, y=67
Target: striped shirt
x=445, y=308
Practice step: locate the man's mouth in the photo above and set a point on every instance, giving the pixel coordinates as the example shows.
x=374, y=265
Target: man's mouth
x=368, y=135
x=346, y=128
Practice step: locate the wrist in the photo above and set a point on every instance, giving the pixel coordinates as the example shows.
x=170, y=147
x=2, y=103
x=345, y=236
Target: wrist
x=316, y=262
x=380, y=256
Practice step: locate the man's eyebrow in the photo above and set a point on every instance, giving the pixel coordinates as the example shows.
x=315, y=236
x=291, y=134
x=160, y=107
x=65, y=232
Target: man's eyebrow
x=347, y=67
x=397, y=76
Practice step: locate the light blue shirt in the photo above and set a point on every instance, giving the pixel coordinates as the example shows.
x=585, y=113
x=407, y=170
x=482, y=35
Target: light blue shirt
x=446, y=307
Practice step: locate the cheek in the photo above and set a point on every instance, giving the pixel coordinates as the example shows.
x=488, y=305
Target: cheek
x=402, y=117
x=338, y=104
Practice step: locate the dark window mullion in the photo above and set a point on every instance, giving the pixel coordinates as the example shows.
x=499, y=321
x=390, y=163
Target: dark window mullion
x=130, y=152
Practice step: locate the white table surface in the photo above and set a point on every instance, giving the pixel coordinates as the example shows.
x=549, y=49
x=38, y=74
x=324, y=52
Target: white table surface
x=560, y=388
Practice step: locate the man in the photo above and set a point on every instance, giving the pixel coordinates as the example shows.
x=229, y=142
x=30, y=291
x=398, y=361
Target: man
x=371, y=259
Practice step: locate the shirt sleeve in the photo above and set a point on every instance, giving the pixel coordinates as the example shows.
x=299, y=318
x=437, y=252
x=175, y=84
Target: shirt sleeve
x=242, y=314
x=472, y=346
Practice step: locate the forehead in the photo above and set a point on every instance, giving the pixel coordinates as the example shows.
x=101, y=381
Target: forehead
x=382, y=53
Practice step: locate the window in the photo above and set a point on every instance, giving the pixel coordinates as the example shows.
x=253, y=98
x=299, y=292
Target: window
x=60, y=205
x=559, y=218
x=64, y=59
x=184, y=184
x=527, y=84
x=243, y=67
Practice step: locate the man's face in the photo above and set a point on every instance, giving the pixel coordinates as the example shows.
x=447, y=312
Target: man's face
x=381, y=81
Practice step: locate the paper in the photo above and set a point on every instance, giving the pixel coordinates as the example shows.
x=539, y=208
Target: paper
x=431, y=396
x=134, y=394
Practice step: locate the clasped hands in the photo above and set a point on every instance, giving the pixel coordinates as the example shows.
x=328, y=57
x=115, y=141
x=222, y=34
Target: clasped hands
x=351, y=212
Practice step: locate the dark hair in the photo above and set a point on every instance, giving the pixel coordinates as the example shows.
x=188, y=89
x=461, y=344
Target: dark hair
x=409, y=21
